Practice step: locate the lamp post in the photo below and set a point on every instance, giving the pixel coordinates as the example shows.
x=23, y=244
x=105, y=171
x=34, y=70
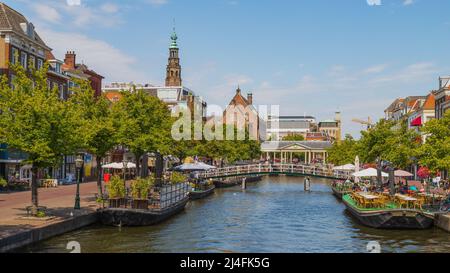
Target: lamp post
x=79, y=166
x=379, y=177
x=125, y=166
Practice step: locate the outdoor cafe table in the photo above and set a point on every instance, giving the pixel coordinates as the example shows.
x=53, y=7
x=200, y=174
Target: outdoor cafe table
x=368, y=196
x=408, y=199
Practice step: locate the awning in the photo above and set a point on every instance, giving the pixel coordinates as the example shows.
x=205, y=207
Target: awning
x=119, y=166
x=370, y=172
x=417, y=121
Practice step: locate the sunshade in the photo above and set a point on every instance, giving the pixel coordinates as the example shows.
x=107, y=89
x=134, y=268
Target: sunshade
x=371, y=172
x=115, y=165
x=402, y=173
x=199, y=166
x=347, y=167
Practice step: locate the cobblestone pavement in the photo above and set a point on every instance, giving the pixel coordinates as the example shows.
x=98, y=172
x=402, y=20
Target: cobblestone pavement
x=59, y=202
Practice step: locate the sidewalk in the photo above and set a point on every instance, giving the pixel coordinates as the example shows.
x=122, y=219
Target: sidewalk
x=59, y=202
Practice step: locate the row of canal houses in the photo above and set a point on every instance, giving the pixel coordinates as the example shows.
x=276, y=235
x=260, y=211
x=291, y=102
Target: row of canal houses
x=20, y=43
x=416, y=111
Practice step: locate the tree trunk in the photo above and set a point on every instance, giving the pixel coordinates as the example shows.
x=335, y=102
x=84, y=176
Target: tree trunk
x=34, y=191
x=138, y=164
x=99, y=176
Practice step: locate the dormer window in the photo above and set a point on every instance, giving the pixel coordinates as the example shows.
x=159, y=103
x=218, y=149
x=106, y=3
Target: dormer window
x=28, y=29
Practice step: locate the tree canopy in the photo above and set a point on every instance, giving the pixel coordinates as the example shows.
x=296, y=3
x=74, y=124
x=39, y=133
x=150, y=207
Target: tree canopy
x=144, y=124
x=435, y=152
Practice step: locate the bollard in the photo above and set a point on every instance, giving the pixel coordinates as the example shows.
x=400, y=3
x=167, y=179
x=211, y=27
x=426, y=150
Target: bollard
x=307, y=184
x=244, y=183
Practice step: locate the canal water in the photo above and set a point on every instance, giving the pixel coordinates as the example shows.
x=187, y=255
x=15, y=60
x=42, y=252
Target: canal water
x=274, y=215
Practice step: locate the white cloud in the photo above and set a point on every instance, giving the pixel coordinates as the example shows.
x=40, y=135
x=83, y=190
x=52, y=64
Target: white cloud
x=411, y=73
x=235, y=80
x=100, y=56
x=375, y=69
x=47, y=13
x=157, y=2
x=73, y=2
x=408, y=2
x=109, y=8
x=374, y=2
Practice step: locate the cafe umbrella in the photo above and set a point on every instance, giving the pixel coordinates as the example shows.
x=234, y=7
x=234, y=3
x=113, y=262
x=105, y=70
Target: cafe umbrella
x=404, y=174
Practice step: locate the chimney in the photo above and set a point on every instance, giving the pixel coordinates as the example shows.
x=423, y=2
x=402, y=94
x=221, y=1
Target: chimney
x=250, y=98
x=70, y=59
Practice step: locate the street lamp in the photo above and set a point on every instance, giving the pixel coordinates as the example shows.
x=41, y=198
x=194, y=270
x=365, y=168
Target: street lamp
x=79, y=166
x=125, y=166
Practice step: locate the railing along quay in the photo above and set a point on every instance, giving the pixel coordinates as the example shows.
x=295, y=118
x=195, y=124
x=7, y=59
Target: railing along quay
x=263, y=169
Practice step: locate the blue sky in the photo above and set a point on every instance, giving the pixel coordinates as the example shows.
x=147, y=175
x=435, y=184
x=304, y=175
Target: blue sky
x=309, y=56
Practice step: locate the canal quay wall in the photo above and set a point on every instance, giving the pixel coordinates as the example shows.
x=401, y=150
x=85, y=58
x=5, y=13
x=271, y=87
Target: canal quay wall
x=21, y=238
x=443, y=221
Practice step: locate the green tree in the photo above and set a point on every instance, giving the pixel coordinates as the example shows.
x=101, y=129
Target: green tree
x=435, y=152
x=343, y=152
x=36, y=121
x=391, y=141
x=144, y=124
x=98, y=127
x=294, y=138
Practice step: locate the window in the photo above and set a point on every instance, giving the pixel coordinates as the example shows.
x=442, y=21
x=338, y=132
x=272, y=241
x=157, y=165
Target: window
x=14, y=56
x=40, y=63
x=13, y=78
x=32, y=62
x=23, y=59
x=61, y=91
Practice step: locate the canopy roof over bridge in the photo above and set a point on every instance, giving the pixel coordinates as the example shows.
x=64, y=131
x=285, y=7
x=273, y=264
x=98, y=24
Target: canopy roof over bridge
x=285, y=150
x=270, y=146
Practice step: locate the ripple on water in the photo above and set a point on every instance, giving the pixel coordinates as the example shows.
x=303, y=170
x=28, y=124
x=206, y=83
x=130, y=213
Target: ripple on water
x=275, y=215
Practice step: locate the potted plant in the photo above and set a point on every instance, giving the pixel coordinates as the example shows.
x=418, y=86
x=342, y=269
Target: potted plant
x=116, y=192
x=3, y=184
x=139, y=191
x=177, y=178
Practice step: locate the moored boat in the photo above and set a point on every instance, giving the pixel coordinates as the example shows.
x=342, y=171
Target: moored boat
x=231, y=182
x=200, y=194
x=227, y=183
x=390, y=217
x=340, y=189
x=140, y=217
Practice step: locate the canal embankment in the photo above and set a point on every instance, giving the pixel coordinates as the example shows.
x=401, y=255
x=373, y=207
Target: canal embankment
x=17, y=229
x=443, y=221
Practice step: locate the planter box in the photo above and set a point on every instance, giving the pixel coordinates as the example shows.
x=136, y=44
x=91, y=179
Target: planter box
x=139, y=204
x=117, y=202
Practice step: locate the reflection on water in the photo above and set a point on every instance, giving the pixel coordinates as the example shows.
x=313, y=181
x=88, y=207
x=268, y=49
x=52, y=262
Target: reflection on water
x=275, y=215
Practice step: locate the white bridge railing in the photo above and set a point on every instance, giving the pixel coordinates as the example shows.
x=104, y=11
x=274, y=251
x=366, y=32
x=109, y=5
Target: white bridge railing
x=299, y=169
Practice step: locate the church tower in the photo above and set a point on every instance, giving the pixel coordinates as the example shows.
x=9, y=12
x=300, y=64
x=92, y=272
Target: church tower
x=173, y=77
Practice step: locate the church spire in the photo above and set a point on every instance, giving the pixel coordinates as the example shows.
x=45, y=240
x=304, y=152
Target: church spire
x=174, y=39
x=173, y=74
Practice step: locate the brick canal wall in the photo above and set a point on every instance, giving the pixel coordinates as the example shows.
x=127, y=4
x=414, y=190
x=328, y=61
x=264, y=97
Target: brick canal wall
x=443, y=221
x=34, y=235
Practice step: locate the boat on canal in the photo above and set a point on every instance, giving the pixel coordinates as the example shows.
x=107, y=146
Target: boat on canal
x=235, y=181
x=390, y=216
x=140, y=217
x=201, y=190
x=163, y=202
x=340, y=189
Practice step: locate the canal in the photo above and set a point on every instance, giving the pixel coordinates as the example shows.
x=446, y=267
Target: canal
x=274, y=215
